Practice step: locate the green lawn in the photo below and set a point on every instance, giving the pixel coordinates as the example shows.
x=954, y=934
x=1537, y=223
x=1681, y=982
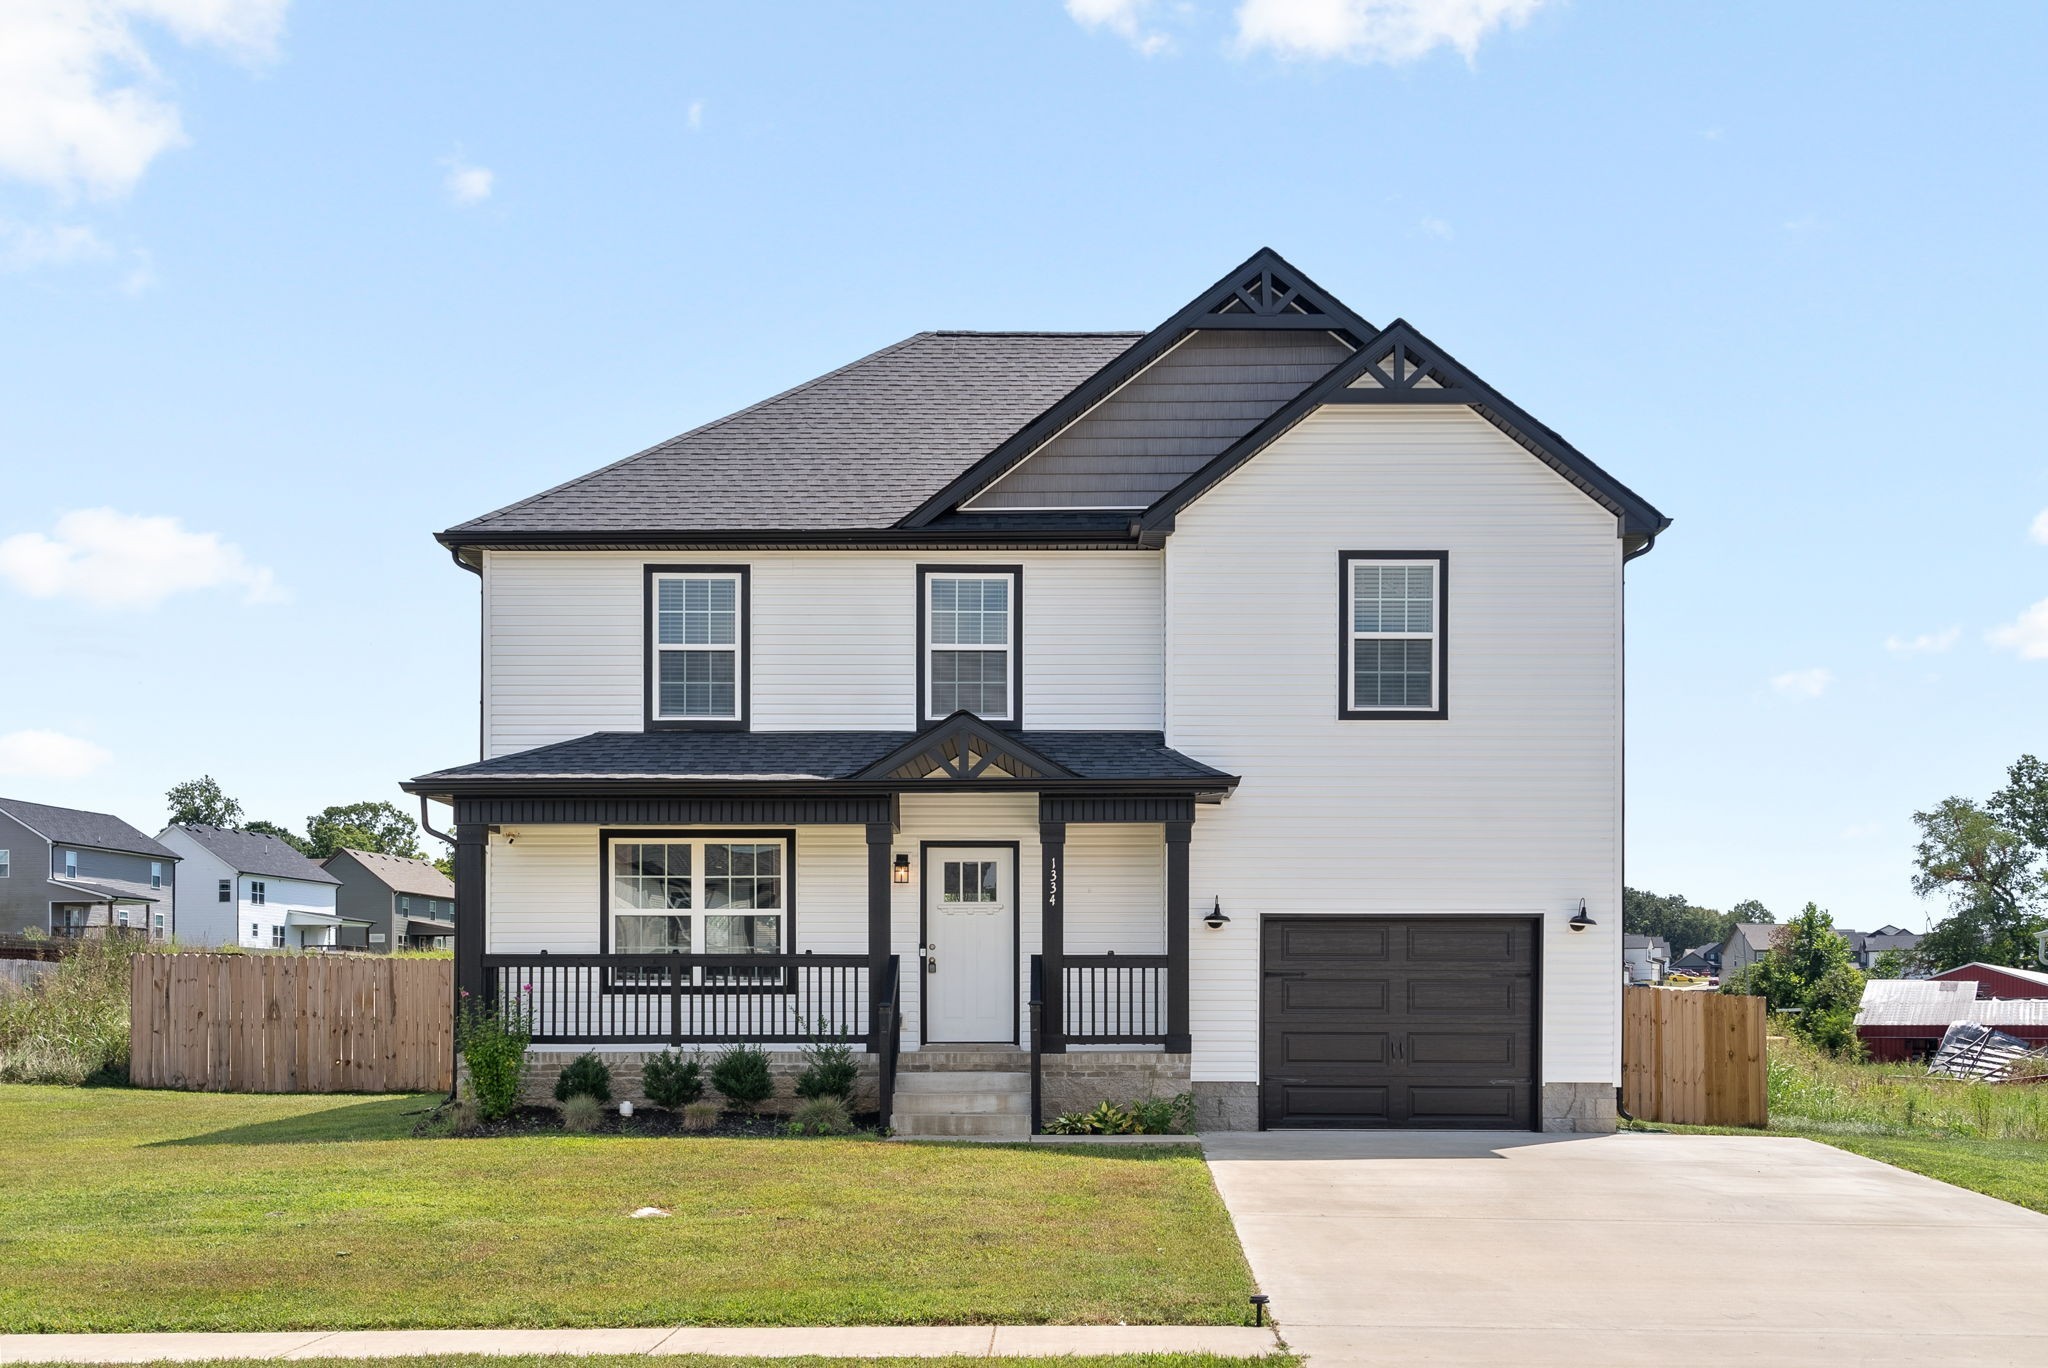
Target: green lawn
x=131, y=1210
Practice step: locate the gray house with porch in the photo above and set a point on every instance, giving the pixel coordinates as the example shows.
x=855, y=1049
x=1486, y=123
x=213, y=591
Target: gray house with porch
x=68, y=873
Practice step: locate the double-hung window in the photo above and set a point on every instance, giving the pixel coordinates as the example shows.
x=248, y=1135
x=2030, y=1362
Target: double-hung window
x=227, y=890
x=705, y=895
x=6, y=863
x=156, y=873
x=1391, y=629
x=70, y=864
x=969, y=621
x=256, y=892
x=697, y=646
x=277, y=938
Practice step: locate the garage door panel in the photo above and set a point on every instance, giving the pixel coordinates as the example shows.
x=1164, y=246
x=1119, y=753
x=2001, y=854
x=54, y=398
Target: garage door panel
x=1327, y=943
x=1462, y=997
x=1331, y=994
x=1335, y=1047
x=1372, y=1022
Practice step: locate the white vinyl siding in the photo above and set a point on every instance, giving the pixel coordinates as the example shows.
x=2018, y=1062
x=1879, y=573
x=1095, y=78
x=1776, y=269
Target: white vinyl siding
x=833, y=641
x=1510, y=805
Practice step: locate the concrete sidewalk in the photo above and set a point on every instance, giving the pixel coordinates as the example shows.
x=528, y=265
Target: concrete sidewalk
x=843, y=1341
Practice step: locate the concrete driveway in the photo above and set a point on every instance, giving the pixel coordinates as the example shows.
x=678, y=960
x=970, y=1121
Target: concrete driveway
x=1490, y=1248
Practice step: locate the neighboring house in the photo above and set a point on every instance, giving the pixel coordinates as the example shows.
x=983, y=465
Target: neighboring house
x=1747, y=943
x=1866, y=946
x=252, y=890
x=1701, y=959
x=1645, y=959
x=1246, y=693
x=1905, y=1019
x=68, y=873
x=397, y=903
x=1998, y=980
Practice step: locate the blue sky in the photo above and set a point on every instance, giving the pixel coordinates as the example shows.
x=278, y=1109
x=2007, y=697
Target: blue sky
x=315, y=280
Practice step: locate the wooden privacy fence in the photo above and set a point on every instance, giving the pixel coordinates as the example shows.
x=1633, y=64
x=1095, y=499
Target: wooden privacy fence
x=291, y=1023
x=1693, y=1058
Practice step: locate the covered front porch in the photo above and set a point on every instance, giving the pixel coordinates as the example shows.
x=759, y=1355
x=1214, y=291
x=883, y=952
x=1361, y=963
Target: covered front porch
x=962, y=889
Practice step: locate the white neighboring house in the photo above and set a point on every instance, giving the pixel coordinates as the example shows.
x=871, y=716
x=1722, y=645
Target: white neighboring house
x=1236, y=704
x=249, y=889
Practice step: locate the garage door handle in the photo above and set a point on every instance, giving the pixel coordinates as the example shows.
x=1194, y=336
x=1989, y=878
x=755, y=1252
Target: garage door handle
x=1287, y=973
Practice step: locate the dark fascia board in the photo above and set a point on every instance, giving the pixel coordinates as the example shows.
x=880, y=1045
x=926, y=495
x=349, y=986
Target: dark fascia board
x=1334, y=317
x=1636, y=517
x=819, y=540
x=450, y=789
x=964, y=724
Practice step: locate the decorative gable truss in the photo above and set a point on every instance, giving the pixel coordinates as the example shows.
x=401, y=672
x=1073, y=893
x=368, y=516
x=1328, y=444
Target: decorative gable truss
x=963, y=747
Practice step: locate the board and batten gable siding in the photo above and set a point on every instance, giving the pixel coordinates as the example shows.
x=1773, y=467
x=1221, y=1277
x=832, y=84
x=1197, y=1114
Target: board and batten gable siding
x=833, y=639
x=1510, y=805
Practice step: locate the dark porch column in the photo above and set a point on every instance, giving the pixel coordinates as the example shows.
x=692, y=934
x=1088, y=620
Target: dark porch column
x=469, y=908
x=1052, y=842
x=880, y=836
x=1178, y=1037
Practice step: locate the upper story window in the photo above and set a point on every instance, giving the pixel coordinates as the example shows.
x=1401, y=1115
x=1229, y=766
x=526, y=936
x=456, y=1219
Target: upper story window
x=405, y=906
x=697, y=666
x=6, y=863
x=256, y=892
x=227, y=890
x=969, y=622
x=1391, y=629
x=70, y=864
x=156, y=873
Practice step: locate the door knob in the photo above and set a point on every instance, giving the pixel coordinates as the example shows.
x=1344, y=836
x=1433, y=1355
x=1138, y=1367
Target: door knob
x=931, y=964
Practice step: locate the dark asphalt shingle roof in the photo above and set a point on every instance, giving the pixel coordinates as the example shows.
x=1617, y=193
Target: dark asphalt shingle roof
x=71, y=826
x=809, y=755
x=399, y=873
x=110, y=892
x=856, y=448
x=254, y=852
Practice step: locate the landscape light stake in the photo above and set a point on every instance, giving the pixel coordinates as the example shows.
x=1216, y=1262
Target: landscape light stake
x=1259, y=1301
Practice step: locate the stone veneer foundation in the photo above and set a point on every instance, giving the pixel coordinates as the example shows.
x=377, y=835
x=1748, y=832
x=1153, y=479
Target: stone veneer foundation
x=1582, y=1108
x=1079, y=1079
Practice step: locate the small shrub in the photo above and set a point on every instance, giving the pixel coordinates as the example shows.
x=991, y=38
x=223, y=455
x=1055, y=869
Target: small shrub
x=829, y=1071
x=822, y=1116
x=582, y=1113
x=1164, y=1115
x=585, y=1076
x=700, y=1116
x=671, y=1081
x=742, y=1077
x=1107, y=1118
x=1069, y=1123
x=493, y=1042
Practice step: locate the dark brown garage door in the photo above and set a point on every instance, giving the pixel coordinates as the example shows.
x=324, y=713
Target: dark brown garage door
x=1382, y=1021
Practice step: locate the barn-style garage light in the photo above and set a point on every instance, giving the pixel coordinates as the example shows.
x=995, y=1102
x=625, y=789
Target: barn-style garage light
x=902, y=871
x=1581, y=921
x=1214, y=921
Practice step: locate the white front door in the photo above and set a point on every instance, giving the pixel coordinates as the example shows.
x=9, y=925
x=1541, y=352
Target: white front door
x=970, y=962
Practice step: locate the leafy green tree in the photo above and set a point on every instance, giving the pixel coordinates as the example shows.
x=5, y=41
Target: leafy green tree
x=1985, y=932
x=1751, y=911
x=200, y=802
x=2022, y=805
x=1985, y=861
x=290, y=838
x=1680, y=922
x=1809, y=972
x=1890, y=964
x=379, y=826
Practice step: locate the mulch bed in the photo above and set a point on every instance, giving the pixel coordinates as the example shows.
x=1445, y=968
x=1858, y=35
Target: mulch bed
x=645, y=1121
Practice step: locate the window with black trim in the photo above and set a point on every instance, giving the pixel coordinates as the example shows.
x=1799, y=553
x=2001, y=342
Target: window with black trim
x=226, y=891
x=156, y=873
x=699, y=894
x=257, y=893
x=697, y=646
x=969, y=621
x=1392, y=657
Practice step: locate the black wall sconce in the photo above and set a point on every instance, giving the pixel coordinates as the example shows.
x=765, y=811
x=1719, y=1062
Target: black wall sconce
x=901, y=872
x=1581, y=921
x=1214, y=921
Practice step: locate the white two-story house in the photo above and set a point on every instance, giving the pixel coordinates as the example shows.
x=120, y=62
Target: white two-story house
x=1234, y=706
x=249, y=889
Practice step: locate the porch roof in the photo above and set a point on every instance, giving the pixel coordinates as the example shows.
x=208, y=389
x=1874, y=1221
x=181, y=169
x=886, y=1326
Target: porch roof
x=866, y=761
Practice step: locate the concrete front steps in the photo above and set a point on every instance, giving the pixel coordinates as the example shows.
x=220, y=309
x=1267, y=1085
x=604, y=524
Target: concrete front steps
x=964, y=1094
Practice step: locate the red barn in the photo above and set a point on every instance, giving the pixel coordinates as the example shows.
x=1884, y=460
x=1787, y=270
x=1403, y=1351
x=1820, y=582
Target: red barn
x=1905, y=1019
x=1997, y=981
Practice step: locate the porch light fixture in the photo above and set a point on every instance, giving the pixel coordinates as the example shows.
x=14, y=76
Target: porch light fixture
x=902, y=869
x=1214, y=921
x=1581, y=921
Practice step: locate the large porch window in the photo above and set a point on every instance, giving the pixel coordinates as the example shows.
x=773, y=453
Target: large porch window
x=708, y=895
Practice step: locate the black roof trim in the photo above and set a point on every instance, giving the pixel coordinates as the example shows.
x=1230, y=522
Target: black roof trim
x=1253, y=300
x=963, y=726
x=1049, y=530
x=1637, y=517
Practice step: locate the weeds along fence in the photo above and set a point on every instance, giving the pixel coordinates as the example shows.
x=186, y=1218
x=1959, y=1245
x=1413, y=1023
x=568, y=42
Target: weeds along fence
x=289, y=1023
x=1694, y=1058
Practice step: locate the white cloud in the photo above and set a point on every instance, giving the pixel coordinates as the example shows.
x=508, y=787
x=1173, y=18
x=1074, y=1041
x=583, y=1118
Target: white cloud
x=1435, y=227
x=84, y=108
x=30, y=246
x=694, y=118
x=1927, y=643
x=1810, y=683
x=2039, y=529
x=49, y=755
x=1127, y=19
x=468, y=184
x=111, y=559
x=2028, y=634
x=1389, y=31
